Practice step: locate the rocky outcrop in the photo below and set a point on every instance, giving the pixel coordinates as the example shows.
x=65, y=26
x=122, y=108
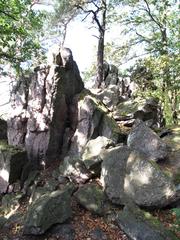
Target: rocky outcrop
x=41, y=108
x=12, y=161
x=93, y=121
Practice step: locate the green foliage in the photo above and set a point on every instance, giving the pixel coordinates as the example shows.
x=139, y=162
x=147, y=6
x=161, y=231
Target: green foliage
x=19, y=27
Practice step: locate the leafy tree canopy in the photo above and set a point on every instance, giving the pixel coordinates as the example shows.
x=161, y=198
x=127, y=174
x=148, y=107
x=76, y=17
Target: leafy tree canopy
x=19, y=26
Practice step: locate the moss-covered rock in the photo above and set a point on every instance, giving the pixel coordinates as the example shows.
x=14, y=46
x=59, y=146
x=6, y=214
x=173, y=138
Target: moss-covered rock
x=49, y=209
x=138, y=224
x=92, y=198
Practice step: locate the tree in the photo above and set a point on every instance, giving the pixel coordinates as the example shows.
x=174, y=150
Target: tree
x=152, y=26
x=19, y=27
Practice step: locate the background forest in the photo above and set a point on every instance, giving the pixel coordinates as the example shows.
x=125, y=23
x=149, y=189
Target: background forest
x=140, y=37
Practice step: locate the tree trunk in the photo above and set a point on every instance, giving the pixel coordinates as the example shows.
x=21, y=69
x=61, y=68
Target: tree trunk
x=100, y=51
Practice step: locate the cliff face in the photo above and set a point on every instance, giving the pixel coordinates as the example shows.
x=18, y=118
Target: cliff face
x=41, y=108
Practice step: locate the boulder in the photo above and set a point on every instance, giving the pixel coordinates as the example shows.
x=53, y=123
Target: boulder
x=146, y=184
x=49, y=209
x=145, y=140
x=92, y=198
x=91, y=154
x=12, y=161
x=138, y=224
x=129, y=175
x=113, y=173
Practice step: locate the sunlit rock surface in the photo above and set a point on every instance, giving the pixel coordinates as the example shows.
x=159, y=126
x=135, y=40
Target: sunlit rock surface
x=145, y=140
x=128, y=174
x=41, y=108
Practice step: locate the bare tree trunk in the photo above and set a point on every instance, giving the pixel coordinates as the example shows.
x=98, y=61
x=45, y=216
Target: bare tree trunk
x=100, y=51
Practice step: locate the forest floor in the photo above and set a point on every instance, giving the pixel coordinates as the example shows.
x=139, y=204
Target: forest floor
x=85, y=225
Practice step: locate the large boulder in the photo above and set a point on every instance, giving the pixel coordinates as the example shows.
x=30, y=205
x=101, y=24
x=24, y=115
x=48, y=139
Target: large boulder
x=41, y=107
x=12, y=161
x=146, y=184
x=128, y=174
x=49, y=209
x=113, y=173
x=145, y=140
x=138, y=224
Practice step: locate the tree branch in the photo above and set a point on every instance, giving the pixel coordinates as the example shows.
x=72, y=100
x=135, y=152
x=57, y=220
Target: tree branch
x=148, y=10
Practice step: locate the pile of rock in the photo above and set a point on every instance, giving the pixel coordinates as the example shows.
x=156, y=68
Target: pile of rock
x=57, y=117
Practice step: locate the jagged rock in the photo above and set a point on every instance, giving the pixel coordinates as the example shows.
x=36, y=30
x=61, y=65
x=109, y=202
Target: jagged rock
x=92, y=198
x=127, y=174
x=74, y=169
x=91, y=155
x=93, y=121
x=145, y=140
x=12, y=161
x=43, y=108
x=111, y=77
x=138, y=224
x=3, y=129
x=49, y=209
x=113, y=173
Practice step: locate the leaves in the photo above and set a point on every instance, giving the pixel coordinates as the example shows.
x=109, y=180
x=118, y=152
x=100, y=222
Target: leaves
x=18, y=26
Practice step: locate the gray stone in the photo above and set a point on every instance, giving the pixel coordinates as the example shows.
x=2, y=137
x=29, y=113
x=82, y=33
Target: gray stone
x=49, y=209
x=146, y=184
x=110, y=96
x=74, y=169
x=140, y=225
x=145, y=140
x=91, y=155
x=12, y=161
x=113, y=173
x=40, y=108
x=92, y=198
x=128, y=174
x=90, y=112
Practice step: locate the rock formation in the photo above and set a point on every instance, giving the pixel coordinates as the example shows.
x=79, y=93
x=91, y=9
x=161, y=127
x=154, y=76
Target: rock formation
x=41, y=108
x=107, y=150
